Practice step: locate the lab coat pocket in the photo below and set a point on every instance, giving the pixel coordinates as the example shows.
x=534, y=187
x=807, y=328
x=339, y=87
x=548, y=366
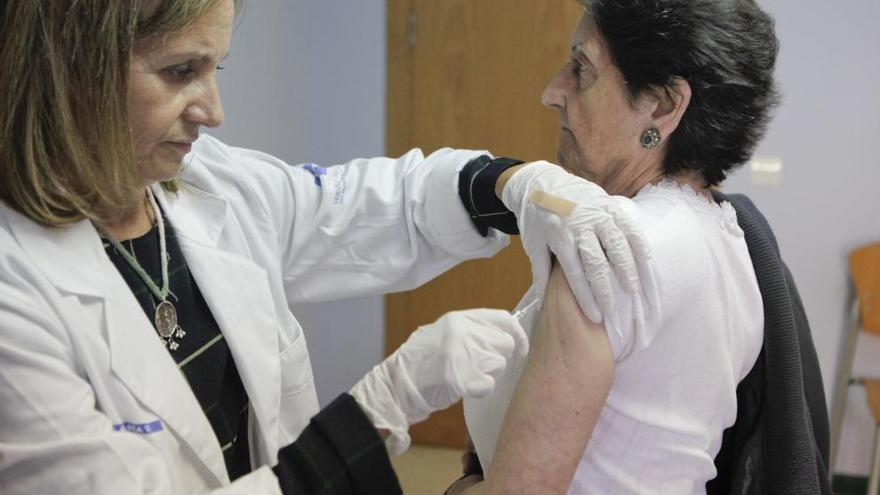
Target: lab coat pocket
x=298, y=400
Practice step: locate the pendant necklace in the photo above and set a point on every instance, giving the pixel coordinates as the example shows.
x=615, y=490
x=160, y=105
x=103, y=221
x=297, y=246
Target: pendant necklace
x=165, y=317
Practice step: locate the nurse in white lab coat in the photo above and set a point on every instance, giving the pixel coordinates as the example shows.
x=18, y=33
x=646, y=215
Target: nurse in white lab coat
x=100, y=138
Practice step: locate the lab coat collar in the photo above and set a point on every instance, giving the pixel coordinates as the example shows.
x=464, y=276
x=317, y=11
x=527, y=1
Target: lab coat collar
x=195, y=214
x=235, y=288
x=71, y=257
x=149, y=372
x=201, y=215
x=237, y=291
x=242, y=305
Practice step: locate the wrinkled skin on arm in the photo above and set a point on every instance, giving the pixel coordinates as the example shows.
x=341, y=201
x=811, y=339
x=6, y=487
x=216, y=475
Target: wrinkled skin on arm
x=556, y=403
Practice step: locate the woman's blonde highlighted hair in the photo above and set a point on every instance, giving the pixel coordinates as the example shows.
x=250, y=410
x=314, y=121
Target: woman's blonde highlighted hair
x=66, y=147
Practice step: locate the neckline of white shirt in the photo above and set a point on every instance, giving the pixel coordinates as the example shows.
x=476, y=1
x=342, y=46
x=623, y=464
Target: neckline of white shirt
x=722, y=213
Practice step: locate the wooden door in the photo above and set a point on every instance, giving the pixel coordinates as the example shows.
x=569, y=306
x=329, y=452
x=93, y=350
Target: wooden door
x=469, y=74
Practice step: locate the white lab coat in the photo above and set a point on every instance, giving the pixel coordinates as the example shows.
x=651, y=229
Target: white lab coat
x=78, y=357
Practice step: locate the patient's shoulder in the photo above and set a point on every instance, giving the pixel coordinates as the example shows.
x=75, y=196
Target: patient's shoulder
x=694, y=243
x=684, y=229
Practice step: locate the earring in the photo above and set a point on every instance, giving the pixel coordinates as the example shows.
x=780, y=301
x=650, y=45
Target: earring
x=650, y=138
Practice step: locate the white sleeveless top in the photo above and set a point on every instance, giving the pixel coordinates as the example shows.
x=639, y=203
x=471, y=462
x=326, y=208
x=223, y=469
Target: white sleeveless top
x=680, y=348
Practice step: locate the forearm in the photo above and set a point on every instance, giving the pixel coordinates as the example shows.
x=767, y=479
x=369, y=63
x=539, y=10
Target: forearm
x=338, y=453
x=557, y=401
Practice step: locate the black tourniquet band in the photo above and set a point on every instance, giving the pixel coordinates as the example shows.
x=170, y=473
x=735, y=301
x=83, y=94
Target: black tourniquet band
x=476, y=187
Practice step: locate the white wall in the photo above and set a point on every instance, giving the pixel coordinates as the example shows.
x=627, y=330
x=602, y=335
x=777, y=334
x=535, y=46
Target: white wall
x=306, y=82
x=827, y=133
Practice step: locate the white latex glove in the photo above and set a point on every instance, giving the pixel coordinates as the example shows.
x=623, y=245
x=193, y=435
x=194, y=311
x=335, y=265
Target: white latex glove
x=459, y=355
x=576, y=220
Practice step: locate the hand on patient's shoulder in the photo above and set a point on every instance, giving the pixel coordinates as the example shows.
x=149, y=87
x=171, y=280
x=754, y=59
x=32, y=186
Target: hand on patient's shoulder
x=593, y=238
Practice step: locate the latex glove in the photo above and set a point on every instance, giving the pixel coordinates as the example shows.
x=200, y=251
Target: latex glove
x=459, y=355
x=576, y=220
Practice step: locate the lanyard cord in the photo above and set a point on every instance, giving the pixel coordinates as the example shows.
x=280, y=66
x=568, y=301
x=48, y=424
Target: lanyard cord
x=160, y=293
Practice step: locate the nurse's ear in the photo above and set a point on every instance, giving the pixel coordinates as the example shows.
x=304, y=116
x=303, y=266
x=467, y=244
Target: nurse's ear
x=668, y=105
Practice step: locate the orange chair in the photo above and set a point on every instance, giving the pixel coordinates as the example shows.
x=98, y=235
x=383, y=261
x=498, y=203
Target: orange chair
x=865, y=270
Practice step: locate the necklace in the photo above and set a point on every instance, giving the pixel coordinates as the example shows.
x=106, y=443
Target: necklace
x=165, y=317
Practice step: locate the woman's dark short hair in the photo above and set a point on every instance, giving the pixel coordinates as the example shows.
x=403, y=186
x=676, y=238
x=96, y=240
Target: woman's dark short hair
x=725, y=49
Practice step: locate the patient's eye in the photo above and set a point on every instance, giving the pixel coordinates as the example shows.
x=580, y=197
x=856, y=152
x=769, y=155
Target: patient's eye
x=581, y=71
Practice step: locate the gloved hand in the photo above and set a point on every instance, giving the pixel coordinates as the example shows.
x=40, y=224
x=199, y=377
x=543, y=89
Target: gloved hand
x=461, y=354
x=576, y=220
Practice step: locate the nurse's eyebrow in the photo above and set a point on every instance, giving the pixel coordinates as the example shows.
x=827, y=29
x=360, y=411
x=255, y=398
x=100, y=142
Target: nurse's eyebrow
x=197, y=55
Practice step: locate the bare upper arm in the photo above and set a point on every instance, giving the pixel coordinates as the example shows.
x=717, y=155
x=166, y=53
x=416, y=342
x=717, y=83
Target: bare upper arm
x=557, y=400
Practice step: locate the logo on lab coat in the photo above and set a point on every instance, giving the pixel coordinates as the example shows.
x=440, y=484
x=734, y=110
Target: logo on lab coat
x=142, y=428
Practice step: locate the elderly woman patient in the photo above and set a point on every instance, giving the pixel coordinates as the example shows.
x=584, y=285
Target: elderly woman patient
x=657, y=102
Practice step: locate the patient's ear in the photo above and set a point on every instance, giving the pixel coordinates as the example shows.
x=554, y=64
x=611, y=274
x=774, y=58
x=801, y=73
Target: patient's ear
x=671, y=102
